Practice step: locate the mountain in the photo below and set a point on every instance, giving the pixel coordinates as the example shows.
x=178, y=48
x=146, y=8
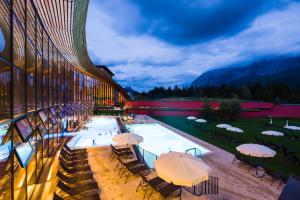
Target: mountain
x=131, y=92
x=282, y=69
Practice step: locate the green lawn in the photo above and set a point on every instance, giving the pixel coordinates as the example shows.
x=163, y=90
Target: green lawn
x=252, y=128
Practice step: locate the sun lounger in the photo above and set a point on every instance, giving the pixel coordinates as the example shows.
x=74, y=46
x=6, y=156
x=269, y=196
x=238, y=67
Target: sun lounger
x=132, y=169
x=120, y=154
x=147, y=185
x=79, y=191
x=74, y=150
x=73, y=157
x=72, y=161
x=74, y=170
x=75, y=178
x=74, y=154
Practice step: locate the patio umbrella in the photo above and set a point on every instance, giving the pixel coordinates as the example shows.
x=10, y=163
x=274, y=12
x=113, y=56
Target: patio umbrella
x=235, y=129
x=256, y=150
x=201, y=120
x=224, y=126
x=191, y=118
x=272, y=133
x=127, y=139
x=181, y=169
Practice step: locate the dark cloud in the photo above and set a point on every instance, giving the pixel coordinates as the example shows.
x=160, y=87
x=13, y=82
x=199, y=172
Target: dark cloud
x=190, y=21
x=139, y=44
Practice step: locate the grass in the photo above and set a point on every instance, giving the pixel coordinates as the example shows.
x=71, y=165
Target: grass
x=252, y=128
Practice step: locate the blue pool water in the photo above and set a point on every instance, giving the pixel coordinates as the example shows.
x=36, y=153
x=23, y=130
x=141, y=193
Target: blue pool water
x=159, y=139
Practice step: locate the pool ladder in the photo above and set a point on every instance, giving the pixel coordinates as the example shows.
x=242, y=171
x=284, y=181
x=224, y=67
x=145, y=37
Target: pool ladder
x=194, y=151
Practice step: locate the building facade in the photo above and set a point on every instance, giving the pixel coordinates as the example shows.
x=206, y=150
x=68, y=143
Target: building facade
x=44, y=68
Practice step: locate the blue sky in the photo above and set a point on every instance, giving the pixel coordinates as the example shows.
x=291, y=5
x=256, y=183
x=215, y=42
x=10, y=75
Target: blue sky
x=149, y=43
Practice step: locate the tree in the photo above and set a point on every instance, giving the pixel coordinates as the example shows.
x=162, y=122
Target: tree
x=246, y=93
x=230, y=109
x=206, y=109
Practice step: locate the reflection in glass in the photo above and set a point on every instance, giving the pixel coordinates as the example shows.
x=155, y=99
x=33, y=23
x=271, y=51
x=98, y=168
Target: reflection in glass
x=2, y=41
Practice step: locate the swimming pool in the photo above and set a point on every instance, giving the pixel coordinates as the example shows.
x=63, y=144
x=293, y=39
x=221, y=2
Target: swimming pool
x=98, y=132
x=159, y=139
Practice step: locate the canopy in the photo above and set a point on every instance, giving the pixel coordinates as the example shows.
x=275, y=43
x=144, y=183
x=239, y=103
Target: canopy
x=191, y=118
x=127, y=139
x=224, y=126
x=256, y=150
x=235, y=129
x=181, y=169
x=201, y=120
x=272, y=133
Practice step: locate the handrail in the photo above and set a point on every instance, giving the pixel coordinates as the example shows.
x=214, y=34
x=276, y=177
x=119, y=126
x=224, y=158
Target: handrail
x=195, y=152
x=210, y=186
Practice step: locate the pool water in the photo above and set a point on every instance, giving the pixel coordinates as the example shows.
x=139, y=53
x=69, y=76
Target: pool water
x=99, y=131
x=159, y=139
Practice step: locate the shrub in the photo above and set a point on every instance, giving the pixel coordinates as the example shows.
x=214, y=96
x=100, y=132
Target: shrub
x=230, y=109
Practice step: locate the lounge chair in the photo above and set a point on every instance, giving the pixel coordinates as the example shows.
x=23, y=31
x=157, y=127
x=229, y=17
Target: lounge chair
x=133, y=169
x=81, y=191
x=73, y=157
x=73, y=165
x=73, y=161
x=74, y=150
x=74, y=170
x=74, y=154
x=149, y=184
x=75, y=178
x=166, y=190
x=118, y=153
x=118, y=149
x=121, y=166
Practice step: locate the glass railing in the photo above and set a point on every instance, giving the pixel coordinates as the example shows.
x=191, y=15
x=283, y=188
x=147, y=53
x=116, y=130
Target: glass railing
x=148, y=157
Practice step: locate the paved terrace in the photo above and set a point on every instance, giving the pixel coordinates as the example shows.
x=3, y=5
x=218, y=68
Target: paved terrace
x=234, y=182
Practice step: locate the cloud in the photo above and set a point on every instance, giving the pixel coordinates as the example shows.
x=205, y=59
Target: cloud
x=144, y=59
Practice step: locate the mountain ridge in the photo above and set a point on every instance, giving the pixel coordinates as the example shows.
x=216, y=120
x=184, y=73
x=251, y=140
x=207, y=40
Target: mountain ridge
x=264, y=71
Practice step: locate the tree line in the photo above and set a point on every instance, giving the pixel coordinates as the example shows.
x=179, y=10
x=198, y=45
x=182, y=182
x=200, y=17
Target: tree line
x=275, y=92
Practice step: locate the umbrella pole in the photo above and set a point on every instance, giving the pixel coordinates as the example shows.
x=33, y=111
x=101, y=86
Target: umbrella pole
x=180, y=192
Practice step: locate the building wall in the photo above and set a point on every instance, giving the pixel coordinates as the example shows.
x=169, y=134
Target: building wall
x=35, y=76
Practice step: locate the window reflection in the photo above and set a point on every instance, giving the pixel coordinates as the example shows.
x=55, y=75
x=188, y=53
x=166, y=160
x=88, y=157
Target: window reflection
x=2, y=41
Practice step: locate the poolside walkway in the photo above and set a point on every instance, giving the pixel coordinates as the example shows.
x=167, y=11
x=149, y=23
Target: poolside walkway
x=234, y=182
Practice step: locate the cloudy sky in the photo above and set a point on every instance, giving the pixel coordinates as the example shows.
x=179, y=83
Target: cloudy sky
x=149, y=43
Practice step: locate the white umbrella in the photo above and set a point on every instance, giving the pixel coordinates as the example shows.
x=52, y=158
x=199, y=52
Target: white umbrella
x=127, y=139
x=201, y=120
x=295, y=128
x=272, y=133
x=235, y=129
x=256, y=150
x=224, y=126
x=181, y=169
x=191, y=118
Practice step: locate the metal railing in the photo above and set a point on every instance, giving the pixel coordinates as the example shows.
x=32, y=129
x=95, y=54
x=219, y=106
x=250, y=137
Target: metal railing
x=210, y=186
x=194, y=151
x=148, y=157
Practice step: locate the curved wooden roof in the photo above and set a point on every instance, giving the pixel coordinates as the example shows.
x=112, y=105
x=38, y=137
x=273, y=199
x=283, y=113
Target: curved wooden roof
x=64, y=21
